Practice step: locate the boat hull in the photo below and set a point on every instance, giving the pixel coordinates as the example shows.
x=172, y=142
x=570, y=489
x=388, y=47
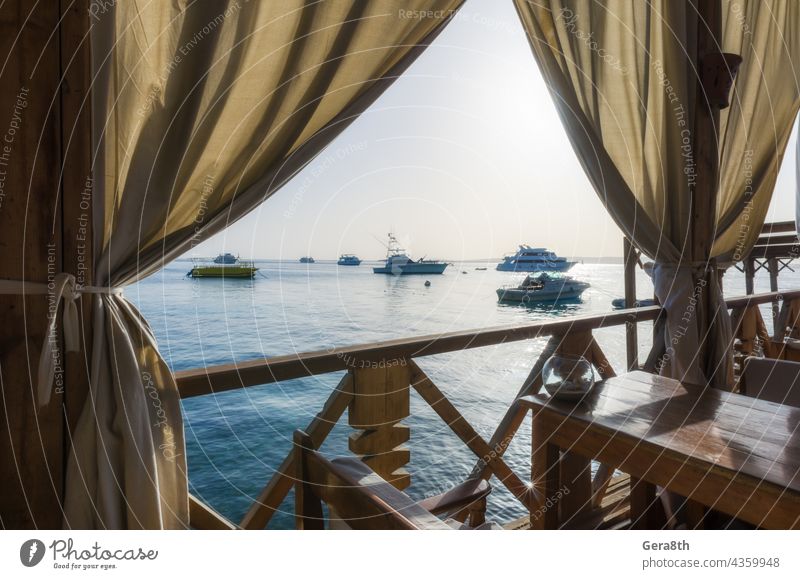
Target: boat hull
x=567, y=292
x=351, y=263
x=534, y=267
x=413, y=268
x=223, y=271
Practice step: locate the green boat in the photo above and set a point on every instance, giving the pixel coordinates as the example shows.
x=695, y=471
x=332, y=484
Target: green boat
x=224, y=267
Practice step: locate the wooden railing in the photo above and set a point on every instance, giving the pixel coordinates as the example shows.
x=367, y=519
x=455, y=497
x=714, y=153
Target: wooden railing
x=379, y=377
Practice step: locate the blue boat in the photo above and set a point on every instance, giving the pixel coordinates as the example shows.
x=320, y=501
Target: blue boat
x=534, y=259
x=348, y=259
x=398, y=263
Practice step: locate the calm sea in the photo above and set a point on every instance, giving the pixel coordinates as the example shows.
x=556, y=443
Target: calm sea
x=236, y=440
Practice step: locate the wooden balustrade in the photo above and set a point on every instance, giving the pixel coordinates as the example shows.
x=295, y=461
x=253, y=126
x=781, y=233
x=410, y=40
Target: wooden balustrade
x=376, y=390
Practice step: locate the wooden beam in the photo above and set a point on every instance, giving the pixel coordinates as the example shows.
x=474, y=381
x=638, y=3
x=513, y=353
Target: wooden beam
x=270, y=498
x=515, y=415
x=749, y=275
x=214, y=379
x=774, y=268
x=780, y=250
x=778, y=227
x=32, y=438
x=705, y=149
x=279, y=368
x=776, y=240
x=469, y=436
x=201, y=516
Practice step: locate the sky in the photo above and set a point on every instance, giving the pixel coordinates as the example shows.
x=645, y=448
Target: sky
x=464, y=157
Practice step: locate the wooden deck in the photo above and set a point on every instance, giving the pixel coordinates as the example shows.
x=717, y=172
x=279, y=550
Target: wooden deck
x=612, y=513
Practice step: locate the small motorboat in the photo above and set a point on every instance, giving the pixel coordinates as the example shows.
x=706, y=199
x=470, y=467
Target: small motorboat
x=348, y=259
x=619, y=303
x=545, y=287
x=306, y=259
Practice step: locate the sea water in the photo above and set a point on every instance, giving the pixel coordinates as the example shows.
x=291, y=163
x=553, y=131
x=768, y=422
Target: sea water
x=236, y=440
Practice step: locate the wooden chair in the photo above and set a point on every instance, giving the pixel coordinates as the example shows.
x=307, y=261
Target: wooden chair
x=363, y=500
x=773, y=380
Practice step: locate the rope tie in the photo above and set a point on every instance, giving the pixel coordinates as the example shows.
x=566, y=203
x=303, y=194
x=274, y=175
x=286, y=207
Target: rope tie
x=64, y=289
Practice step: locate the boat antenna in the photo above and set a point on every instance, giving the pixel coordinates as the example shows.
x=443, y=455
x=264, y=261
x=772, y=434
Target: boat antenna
x=379, y=241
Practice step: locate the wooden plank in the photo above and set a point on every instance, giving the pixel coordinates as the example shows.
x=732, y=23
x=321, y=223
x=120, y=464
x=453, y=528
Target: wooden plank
x=780, y=250
x=515, y=415
x=272, y=495
x=706, y=427
x=307, y=503
x=279, y=368
x=778, y=227
x=201, y=516
x=32, y=438
x=766, y=240
x=468, y=435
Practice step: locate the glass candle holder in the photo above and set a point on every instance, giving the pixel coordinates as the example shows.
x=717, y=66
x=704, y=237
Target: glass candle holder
x=568, y=377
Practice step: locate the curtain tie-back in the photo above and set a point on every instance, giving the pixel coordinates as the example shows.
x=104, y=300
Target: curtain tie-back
x=62, y=287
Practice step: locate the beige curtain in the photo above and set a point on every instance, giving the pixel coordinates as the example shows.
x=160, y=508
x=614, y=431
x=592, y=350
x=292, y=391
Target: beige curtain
x=201, y=110
x=622, y=77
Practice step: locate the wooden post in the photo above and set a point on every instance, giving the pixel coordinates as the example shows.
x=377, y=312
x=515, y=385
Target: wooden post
x=749, y=275
x=380, y=402
x=631, y=329
x=706, y=182
x=773, y=286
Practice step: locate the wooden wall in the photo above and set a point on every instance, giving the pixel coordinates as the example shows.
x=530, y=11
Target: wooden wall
x=42, y=131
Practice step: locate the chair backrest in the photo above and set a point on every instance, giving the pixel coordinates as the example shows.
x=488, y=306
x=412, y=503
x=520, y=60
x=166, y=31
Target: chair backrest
x=773, y=380
x=360, y=497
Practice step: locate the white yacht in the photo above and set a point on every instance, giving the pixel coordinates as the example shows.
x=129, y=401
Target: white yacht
x=534, y=259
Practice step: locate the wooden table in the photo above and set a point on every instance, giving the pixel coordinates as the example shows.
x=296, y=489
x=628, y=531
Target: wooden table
x=736, y=454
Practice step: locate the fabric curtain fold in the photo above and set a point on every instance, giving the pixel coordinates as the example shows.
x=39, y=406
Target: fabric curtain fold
x=201, y=110
x=622, y=77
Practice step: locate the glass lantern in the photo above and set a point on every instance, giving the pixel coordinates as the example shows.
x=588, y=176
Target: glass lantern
x=568, y=377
